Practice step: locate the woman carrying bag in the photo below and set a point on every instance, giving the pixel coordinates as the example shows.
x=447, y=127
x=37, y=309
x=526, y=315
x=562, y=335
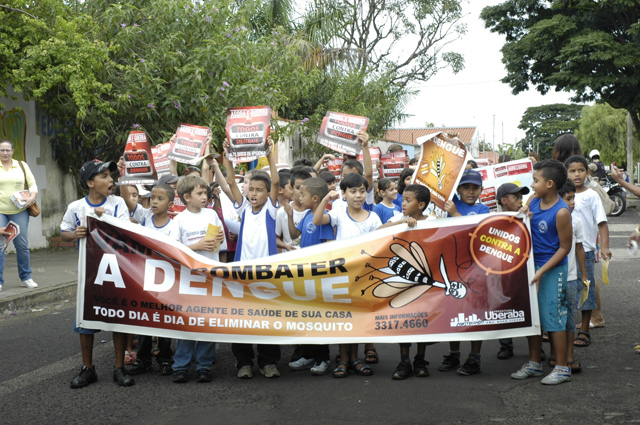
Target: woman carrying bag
x=15, y=176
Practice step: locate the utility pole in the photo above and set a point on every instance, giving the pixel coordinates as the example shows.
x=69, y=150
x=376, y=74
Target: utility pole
x=630, y=167
x=493, y=144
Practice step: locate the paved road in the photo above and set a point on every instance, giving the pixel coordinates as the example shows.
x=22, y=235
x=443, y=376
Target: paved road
x=40, y=354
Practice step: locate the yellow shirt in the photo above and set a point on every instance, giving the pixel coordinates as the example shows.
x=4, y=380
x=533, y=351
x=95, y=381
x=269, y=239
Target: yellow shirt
x=13, y=181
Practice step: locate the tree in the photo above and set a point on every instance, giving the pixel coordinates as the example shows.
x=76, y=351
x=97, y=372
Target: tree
x=589, y=47
x=605, y=129
x=544, y=124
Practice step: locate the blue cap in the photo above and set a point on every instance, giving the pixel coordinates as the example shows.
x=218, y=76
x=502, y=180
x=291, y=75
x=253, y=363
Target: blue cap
x=471, y=176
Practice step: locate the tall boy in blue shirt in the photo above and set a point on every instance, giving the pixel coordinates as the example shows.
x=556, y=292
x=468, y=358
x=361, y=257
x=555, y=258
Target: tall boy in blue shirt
x=551, y=235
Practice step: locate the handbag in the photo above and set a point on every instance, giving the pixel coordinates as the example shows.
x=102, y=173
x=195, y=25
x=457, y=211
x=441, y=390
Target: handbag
x=34, y=210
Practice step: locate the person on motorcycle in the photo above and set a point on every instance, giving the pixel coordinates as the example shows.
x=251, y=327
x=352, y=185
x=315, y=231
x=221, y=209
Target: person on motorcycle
x=601, y=173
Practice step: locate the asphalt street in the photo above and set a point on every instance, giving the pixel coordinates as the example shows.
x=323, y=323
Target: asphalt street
x=39, y=355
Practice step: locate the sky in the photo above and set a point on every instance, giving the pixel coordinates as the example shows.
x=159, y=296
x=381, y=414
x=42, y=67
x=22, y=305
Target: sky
x=475, y=95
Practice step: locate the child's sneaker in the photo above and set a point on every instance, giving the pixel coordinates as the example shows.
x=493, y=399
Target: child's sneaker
x=270, y=371
x=320, y=367
x=420, y=367
x=403, y=371
x=527, y=371
x=449, y=363
x=301, y=364
x=470, y=367
x=558, y=375
x=245, y=372
x=29, y=283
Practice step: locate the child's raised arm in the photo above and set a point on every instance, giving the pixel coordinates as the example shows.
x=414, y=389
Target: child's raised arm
x=275, y=177
x=319, y=217
x=236, y=195
x=206, y=173
x=224, y=186
x=366, y=157
x=173, y=165
x=125, y=194
x=318, y=165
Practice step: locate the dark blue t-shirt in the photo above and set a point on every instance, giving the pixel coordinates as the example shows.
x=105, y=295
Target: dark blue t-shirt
x=312, y=234
x=544, y=232
x=466, y=209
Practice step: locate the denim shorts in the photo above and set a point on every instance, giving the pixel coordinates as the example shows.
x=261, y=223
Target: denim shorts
x=590, y=303
x=83, y=331
x=573, y=289
x=552, y=299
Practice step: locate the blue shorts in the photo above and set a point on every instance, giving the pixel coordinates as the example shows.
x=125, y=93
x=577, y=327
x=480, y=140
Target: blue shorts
x=590, y=303
x=83, y=331
x=552, y=299
x=573, y=289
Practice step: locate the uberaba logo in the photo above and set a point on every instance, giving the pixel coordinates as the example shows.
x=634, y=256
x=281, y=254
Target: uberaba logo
x=503, y=316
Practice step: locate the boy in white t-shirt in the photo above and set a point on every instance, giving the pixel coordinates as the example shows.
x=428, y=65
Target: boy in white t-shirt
x=96, y=176
x=365, y=169
x=594, y=221
x=193, y=224
x=257, y=239
x=349, y=222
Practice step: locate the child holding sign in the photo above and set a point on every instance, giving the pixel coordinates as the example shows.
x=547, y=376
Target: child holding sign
x=201, y=230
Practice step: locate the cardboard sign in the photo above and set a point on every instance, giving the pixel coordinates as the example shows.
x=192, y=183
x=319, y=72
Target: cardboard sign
x=375, y=153
x=190, y=144
x=161, y=159
x=247, y=131
x=178, y=207
x=14, y=230
x=334, y=166
x=340, y=132
x=442, y=162
x=518, y=172
x=393, y=163
x=138, y=163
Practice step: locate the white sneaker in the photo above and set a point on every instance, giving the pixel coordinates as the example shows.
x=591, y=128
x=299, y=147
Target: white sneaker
x=270, y=371
x=321, y=367
x=245, y=372
x=29, y=283
x=301, y=364
x=557, y=376
x=0, y=288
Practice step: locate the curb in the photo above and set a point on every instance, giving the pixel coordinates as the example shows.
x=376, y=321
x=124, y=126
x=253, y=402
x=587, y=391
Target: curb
x=39, y=297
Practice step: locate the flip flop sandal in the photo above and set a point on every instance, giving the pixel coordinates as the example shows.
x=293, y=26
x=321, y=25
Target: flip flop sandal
x=545, y=337
x=575, y=366
x=341, y=370
x=584, y=342
x=370, y=355
x=552, y=361
x=364, y=370
x=129, y=358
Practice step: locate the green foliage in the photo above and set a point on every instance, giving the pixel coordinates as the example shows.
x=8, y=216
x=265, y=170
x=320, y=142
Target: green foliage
x=544, y=124
x=588, y=47
x=605, y=129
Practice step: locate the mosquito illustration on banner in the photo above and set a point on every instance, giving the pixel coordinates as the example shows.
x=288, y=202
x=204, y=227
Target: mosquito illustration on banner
x=411, y=276
x=437, y=169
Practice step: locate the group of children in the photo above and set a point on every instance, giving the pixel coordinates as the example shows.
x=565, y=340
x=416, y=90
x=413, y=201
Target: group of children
x=312, y=212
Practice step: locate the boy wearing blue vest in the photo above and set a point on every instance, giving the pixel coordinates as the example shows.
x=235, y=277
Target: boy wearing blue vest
x=551, y=235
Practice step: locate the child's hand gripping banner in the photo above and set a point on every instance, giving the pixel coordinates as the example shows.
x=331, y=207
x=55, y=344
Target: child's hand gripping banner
x=138, y=160
x=247, y=131
x=340, y=132
x=441, y=165
x=454, y=279
x=190, y=144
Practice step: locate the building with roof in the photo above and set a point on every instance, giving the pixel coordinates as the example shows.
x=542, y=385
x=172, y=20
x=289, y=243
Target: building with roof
x=406, y=137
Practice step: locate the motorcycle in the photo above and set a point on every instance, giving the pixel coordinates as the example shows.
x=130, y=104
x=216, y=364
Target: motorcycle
x=617, y=194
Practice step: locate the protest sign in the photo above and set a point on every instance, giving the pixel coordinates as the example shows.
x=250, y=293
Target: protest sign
x=375, y=153
x=392, y=164
x=247, y=131
x=334, y=166
x=190, y=144
x=518, y=172
x=463, y=278
x=340, y=132
x=161, y=159
x=442, y=162
x=138, y=162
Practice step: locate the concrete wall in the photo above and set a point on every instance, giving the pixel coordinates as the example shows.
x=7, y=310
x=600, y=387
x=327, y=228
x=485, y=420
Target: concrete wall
x=30, y=129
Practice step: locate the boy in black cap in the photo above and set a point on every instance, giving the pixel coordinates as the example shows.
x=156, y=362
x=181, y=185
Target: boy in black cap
x=509, y=197
x=96, y=177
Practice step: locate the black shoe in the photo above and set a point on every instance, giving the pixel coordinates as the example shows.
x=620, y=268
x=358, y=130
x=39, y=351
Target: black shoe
x=180, y=376
x=470, y=367
x=165, y=368
x=403, y=371
x=505, y=353
x=450, y=362
x=85, y=377
x=122, y=377
x=140, y=366
x=204, y=375
x=420, y=367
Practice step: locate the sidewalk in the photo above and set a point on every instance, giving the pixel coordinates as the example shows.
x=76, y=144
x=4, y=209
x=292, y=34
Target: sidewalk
x=55, y=272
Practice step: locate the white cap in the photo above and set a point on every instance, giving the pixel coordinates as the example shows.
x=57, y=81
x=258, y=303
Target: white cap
x=594, y=153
